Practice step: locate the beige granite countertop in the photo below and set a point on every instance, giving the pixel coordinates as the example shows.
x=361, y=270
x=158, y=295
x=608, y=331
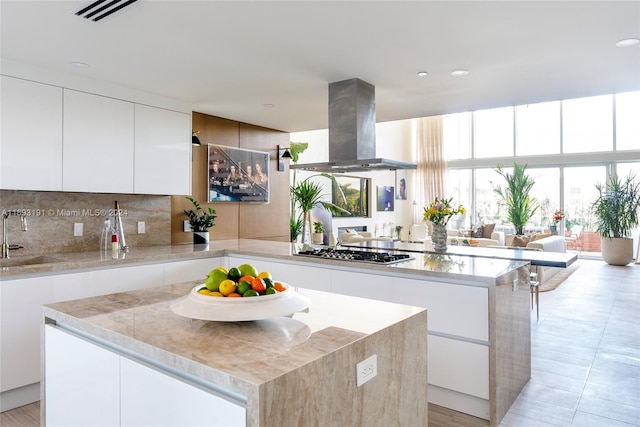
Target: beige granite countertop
x=426, y=264
x=238, y=356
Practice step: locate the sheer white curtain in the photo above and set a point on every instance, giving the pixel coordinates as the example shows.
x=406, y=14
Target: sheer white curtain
x=430, y=177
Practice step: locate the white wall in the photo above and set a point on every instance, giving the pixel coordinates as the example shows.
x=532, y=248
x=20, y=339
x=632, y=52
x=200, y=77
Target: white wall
x=394, y=140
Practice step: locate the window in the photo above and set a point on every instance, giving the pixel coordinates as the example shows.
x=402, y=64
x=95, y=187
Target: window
x=628, y=121
x=457, y=135
x=489, y=207
x=459, y=187
x=493, y=133
x=579, y=194
x=546, y=191
x=538, y=129
x=587, y=124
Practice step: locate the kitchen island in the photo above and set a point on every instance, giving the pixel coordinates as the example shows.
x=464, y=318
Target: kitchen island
x=478, y=308
x=127, y=359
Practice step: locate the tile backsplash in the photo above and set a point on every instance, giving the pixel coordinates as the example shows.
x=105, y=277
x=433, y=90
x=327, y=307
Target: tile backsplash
x=51, y=217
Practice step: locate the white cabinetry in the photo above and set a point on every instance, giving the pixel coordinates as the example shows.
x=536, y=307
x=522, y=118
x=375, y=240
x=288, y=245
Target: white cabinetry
x=82, y=382
x=88, y=385
x=31, y=141
x=193, y=269
x=162, y=151
x=153, y=398
x=98, y=137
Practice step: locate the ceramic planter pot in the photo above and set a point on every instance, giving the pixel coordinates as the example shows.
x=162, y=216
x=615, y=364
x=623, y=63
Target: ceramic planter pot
x=617, y=251
x=200, y=237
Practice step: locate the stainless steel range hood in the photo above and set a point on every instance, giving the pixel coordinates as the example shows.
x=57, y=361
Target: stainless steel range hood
x=352, y=131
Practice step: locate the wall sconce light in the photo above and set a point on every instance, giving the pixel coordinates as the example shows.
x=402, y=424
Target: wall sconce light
x=283, y=153
x=194, y=138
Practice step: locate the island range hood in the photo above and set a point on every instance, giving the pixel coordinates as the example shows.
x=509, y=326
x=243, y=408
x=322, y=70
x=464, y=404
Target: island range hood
x=352, y=131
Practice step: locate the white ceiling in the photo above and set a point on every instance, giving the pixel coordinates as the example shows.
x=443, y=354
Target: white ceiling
x=230, y=58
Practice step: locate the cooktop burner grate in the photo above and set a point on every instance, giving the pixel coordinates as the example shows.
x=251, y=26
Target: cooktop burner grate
x=358, y=256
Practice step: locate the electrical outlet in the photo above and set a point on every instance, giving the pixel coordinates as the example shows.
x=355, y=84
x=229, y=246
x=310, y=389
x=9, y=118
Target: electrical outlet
x=186, y=227
x=77, y=229
x=140, y=227
x=366, y=370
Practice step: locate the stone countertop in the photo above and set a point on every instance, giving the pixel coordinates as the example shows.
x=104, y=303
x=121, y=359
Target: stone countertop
x=239, y=356
x=431, y=265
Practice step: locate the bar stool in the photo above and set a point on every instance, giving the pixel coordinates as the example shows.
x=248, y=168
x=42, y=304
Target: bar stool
x=534, y=287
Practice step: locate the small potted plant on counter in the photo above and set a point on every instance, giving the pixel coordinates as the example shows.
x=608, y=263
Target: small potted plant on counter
x=200, y=221
x=318, y=230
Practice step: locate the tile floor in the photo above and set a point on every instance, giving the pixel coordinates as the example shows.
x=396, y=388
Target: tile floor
x=585, y=352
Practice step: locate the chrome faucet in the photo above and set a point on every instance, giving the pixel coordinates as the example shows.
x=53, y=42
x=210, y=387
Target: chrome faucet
x=5, y=244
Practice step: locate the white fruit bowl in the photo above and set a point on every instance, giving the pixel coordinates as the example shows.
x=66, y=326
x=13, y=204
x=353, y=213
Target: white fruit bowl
x=220, y=309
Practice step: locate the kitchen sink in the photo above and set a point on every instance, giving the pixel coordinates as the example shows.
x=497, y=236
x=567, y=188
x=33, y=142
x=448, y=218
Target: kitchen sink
x=20, y=261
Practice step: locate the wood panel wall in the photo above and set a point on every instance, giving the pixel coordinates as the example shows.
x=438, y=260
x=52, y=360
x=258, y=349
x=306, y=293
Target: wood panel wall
x=268, y=221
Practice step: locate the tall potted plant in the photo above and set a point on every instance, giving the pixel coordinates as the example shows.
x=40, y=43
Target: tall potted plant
x=616, y=210
x=200, y=221
x=520, y=205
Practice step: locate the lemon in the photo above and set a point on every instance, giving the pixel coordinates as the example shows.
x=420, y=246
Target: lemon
x=227, y=287
x=248, y=270
x=214, y=279
x=265, y=275
x=216, y=294
x=204, y=291
x=223, y=269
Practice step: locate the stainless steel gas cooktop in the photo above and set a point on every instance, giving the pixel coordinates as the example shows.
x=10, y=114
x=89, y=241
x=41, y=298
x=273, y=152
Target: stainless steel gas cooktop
x=357, y=256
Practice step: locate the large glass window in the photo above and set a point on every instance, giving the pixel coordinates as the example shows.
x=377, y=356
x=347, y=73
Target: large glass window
x=579, y=193
x=546, y=191
x=587, y=124
x=538, y=129
x=628, y=121
x=457, y=135
x=459, y=187
x=493, y=133
x=489, y=207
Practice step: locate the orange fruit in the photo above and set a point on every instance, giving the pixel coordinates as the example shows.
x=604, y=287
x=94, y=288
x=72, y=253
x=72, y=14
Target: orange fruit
x=278, y=286
x=245, y=279
x=258, y=285
x=234, y=295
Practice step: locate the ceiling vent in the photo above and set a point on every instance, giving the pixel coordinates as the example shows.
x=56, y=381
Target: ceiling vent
x=102, y=8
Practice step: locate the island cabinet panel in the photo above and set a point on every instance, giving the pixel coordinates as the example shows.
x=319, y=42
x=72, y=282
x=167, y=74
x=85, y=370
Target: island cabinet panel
x=31, y=141
x=123, y=279
x=82, y=382
x=456, y=310
x=460, y=366
x=162, y=151
x=153, y=398
x=305, y=276
x=98, y=138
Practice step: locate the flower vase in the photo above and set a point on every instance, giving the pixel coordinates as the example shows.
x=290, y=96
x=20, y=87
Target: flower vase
x=200, y=237
x=439, y=237
x=553, y=229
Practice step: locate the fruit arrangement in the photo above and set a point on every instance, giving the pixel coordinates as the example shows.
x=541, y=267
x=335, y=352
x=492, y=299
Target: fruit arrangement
x=239, y=282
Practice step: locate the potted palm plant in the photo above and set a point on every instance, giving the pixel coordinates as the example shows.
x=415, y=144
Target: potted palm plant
x=200, y=221
x=616, y=210
x=520, y=206
x=318, y=230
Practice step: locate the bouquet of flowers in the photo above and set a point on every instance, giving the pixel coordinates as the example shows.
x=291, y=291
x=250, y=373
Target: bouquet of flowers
x=558, y=216
x=440, y=211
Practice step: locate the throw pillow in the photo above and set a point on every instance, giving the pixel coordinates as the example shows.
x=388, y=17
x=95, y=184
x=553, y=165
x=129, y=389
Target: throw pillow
x=477, y=231
x=538, y=236
x=487, y=230
x=520, y=241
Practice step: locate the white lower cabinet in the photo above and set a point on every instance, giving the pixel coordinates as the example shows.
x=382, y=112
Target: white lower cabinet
x=88, y=385
x=153, y=398
x=82, y=382
x=193, y=269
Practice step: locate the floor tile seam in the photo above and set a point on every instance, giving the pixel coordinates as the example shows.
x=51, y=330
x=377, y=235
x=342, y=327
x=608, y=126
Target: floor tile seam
x=617, y=421
x=521, y=413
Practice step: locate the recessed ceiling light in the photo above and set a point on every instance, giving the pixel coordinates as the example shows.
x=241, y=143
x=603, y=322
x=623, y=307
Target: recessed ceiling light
x=269, y=105
x=459, y=73
x=627, y=42
x=422, y=73
x=80, y=64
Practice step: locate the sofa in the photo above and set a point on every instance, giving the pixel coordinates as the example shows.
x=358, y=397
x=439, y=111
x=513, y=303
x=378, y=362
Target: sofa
x=352, y=236
x=541, y=242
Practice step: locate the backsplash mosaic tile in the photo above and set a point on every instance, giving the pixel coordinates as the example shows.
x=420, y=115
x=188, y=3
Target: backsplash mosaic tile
x=51, y=217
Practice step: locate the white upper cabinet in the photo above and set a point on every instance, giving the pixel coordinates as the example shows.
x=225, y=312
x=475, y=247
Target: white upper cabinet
x=31, y=141
x=98, y=135
x=162, y=151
